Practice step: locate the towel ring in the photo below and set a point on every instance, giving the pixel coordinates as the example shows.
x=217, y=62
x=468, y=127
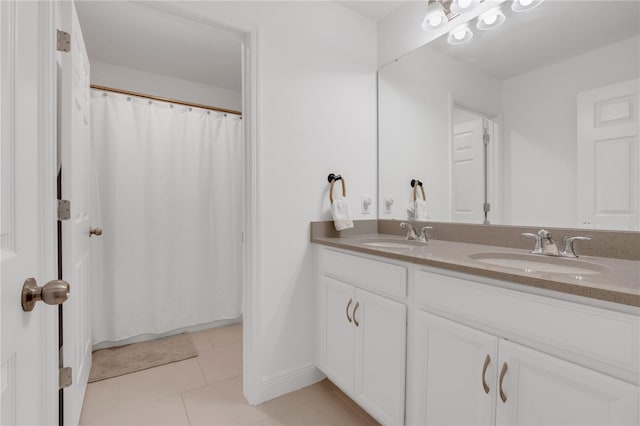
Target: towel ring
x=415, y=184
x=333, y=182
x=333, y=177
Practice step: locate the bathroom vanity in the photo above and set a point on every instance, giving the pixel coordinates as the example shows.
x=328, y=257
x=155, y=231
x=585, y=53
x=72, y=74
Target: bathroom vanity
x=432, y=334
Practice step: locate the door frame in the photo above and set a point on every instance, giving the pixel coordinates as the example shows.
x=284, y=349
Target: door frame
x=253, y=384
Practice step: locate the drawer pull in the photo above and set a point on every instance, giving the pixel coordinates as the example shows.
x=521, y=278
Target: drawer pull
x=347, y=311
x=354, y=314
x=505, y=367
x=487, y=360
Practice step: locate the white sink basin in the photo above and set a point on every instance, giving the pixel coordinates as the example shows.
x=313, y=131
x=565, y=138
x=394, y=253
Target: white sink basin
x=539, y=263
x=390, y=243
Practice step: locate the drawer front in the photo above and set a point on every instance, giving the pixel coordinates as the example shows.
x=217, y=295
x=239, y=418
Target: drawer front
x=381, y=277
x=597, y=338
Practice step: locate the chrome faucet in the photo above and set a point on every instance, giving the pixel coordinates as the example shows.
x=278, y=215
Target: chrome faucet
x=545, y=244
x=412, y=234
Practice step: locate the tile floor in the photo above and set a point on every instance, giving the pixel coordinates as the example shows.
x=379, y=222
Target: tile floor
x=207, y=390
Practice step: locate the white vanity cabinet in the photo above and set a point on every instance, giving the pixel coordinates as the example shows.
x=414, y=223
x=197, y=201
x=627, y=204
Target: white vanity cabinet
x=471, y=350
x=544, y=390
x=362, y=331
x=459, y=380
x=452, y=373
x=463, y=370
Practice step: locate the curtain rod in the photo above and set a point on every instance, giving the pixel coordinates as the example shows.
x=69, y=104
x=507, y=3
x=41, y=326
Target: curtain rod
x=158, y=98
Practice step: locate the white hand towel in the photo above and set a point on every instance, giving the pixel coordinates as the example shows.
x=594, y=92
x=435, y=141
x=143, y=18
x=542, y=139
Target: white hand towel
x=341, y=214
x=411, y=210
x=420, y=212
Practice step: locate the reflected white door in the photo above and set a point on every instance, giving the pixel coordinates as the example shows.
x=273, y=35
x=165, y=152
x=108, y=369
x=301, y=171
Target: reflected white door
x=29, y=350
x=468, y=176
x=75, y=145
x=609, y=157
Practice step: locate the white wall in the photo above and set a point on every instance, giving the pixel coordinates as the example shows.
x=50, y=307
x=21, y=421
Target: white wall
x=415, y=124
x=119, y=77
x=317, y=114
x=540, y=131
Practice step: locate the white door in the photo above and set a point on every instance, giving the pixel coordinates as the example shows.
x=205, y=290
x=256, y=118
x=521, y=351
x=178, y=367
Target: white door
x=543, y=390
x=454, y=373
x=609, y=157
x=380, y=356
x=468, y=173
x=337, y=340
x=75, y=145
x=29, y=344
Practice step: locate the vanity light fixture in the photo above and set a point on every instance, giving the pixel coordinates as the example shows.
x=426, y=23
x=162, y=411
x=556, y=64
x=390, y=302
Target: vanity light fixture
x=525, y=5
x=463, y=6
x=491, y=19
x=435, y=17
x=460, y=35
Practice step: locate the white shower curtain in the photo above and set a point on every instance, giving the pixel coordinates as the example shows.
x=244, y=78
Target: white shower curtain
x=169, y=201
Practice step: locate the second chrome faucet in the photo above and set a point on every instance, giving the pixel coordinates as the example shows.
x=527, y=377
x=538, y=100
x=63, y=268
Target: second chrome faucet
x=412, y=234
x=546, y=246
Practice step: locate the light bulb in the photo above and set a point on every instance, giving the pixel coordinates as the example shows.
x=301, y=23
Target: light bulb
x=435, y=20
x=519, y=6
x=460, y=35
x=490, y=19
x=465, y=3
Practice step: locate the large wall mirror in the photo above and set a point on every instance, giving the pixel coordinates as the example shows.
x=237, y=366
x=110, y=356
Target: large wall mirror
x=534, y=122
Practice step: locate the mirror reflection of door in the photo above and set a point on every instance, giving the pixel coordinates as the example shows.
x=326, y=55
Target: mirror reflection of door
x=609, y=157
x=472, y=144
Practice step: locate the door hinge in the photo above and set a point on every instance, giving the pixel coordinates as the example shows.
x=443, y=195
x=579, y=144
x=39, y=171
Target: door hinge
x=487, y=207
x=64, y=209
x=64, y=41
x=66, y=377
x=485, y=138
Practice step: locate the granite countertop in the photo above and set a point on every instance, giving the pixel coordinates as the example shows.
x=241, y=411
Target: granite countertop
x=620, y=284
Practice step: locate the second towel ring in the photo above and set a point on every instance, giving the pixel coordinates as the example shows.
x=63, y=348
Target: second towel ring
x=415, y=184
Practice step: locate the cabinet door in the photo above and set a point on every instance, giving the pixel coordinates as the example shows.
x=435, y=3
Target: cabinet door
x=337, y=332
x=544, y=390
x=452, y=373
x=380, y=356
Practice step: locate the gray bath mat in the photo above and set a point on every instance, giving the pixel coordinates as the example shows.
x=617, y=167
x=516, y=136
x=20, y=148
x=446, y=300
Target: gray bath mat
x=113, y=362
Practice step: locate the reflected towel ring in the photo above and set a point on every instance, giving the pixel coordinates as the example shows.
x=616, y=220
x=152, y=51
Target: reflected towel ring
x=415, y=183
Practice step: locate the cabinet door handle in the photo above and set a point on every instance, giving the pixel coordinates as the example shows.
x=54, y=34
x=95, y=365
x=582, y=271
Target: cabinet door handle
x=505, y=367
x=487, y=360
x=347, y=311
x=354, y=314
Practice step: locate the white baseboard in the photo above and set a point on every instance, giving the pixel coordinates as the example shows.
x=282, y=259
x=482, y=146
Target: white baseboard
x=289, y=380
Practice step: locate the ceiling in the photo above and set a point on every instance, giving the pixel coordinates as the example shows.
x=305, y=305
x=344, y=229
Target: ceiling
x=147, y=39
x=554, y=31
x=374, y=10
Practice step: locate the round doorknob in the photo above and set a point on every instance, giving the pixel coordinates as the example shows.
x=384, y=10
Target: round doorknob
x=52, y=293
x=95, y=231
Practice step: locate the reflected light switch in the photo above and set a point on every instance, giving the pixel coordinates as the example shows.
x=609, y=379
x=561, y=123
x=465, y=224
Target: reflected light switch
x=388, y=202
